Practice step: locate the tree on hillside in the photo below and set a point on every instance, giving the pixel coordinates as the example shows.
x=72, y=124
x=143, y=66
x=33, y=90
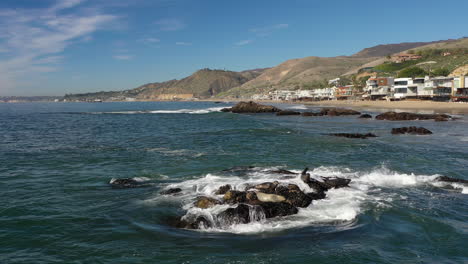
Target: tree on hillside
x=412, y=72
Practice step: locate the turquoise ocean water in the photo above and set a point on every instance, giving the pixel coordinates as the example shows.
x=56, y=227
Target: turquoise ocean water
x=56, y=161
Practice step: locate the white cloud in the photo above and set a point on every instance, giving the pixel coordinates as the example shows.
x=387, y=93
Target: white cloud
x=122, y=57
x=34, y=38
x=181, y=43
x=268, y=30
x=150, y=40
x=170, y=24
x=244, y=42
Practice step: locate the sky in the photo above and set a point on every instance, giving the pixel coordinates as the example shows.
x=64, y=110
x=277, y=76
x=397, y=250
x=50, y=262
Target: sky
x=57, y=47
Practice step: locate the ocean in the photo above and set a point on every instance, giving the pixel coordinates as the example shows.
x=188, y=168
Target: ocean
x=57, y=160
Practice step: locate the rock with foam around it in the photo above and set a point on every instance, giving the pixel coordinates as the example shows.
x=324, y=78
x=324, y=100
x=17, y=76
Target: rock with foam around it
x=204, y=202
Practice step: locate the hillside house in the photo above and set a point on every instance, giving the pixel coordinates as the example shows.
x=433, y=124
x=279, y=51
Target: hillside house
x=402, y=57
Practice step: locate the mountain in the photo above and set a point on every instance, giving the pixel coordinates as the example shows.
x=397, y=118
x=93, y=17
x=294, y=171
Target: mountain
x=388, y=49
x=298, y=73
x=202, y=84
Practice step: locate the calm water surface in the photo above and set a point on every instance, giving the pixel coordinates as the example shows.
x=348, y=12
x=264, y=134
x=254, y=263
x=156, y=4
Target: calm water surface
x=56, y=160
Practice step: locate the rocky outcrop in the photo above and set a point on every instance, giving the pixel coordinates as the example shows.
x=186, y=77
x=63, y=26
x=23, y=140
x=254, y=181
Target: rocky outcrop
x=287, y=112
x=338, y=112
x=451, y=180
x=353, y=135
x=365, y=116
x=251, y=107
x=411, y=130
x=260, y=201
x=129, y=183
x=404, y=116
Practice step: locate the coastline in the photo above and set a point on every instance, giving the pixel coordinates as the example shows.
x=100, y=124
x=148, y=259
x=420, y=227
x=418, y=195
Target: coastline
x=399, y=106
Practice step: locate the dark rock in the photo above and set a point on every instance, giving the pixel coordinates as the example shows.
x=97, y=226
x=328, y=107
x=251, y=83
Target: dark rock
x=277, y=209
x=233, y=197
x=365, y=116
x=353, y=135
x=223, y=189
x=317, y=195
x=440, y=119
x=281, y=171
x=204, y=202
x=450, y=179
x=199, y=223
x=294, y=195
x=127, y=183
x=251, y=107
x=311, y=114
x=318, y=186
x=338, y=112
x=335, y=182
x=237, y=215
x=171, y=191
x=411, y=130
x=287, y=112
x=403, y=116
x=267, y=187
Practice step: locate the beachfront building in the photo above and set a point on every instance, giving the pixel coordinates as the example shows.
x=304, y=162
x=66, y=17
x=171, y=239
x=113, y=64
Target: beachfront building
x=344, y=92
x=324, y=93
x=283, y=95
x=379, y=88
x=261, y=97
x=417, y=84
x=403, y=88
x=460, y=89
x=439, y=87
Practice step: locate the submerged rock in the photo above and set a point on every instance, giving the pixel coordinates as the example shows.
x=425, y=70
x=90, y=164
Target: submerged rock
x=353, y=135
x=311, y=114
x=128, y=183
x=251, y=107
x=411, y=130
x=338, y=112
x=403, y=116
x=451, y=180
x=365, y=116
x=287, y=112
x=171, y=191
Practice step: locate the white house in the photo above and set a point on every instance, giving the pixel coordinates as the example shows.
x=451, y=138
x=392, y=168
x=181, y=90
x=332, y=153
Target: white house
x=378, y=88
x=404, y=88
x=440, y=87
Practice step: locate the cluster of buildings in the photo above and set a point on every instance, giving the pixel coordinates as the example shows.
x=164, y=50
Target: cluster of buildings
x=382, y=88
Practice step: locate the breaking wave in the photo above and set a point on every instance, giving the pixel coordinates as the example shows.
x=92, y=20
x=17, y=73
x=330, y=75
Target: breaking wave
x=342, y=206
x=178, y=111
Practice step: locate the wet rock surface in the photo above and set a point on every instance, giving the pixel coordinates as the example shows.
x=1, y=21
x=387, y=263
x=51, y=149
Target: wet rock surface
x=365, y=116
x=411, y=130
x=260, y=201
x=251, y=107
x=171, y=191
x=338, y=112
x=404, y=116
x=287, y=112
x=353, y=135
x=451, y=180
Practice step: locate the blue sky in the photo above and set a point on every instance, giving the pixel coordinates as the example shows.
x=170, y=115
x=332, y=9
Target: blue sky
x=50, y=47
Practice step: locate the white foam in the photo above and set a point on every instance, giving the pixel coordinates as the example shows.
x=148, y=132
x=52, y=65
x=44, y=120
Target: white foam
x=177, y=111
x=340, y=205
x=298, y=107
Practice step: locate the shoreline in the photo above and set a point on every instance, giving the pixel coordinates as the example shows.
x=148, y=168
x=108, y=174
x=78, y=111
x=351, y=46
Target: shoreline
x=398, y=106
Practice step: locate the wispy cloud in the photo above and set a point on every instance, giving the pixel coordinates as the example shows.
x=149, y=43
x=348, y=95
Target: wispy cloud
x=122, y=57
x=244, y=42
x=181, y=43
x=33, y=38
x=149, y=40
x=268, y=30
x=170, y=24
